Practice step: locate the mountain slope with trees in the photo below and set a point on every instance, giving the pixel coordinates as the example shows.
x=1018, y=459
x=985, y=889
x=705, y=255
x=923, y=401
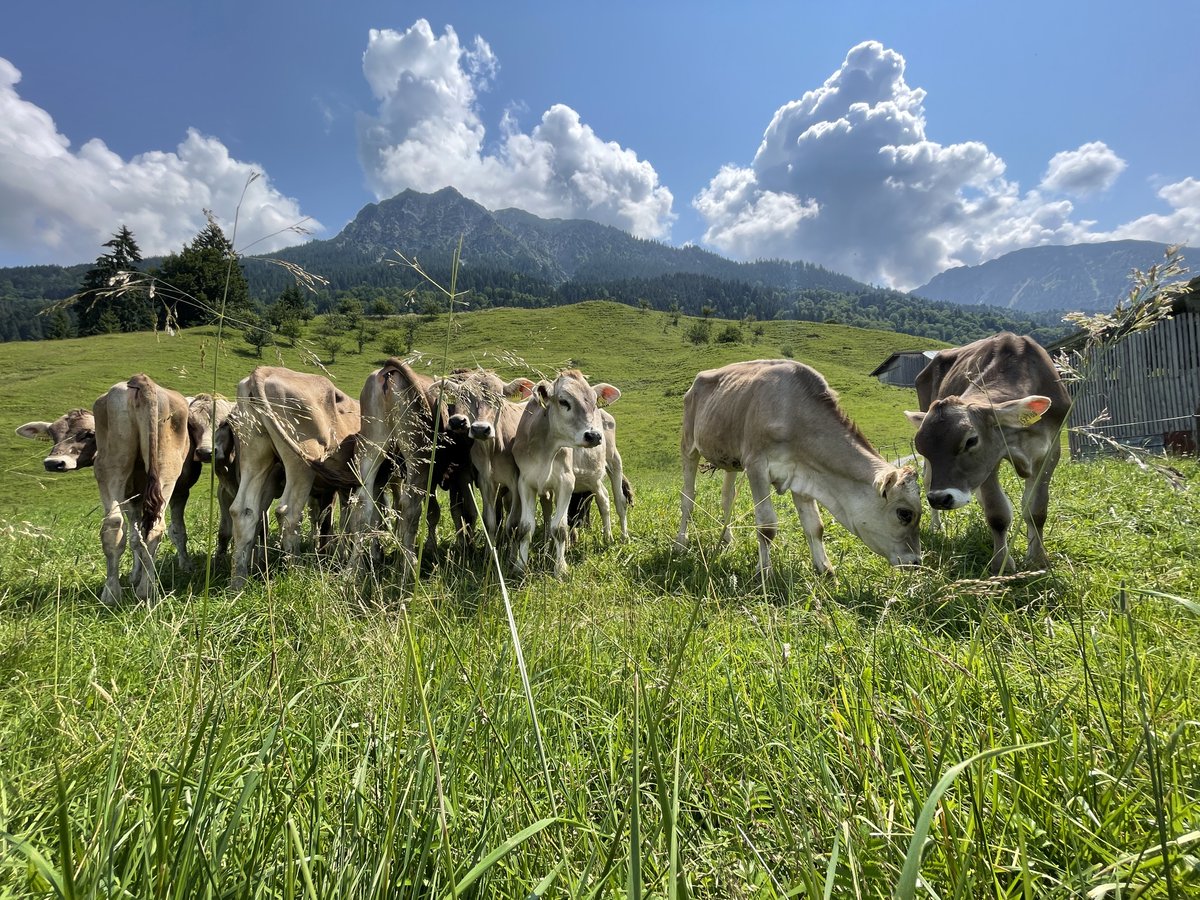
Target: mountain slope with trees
x=512, y=258
x=1085, y=277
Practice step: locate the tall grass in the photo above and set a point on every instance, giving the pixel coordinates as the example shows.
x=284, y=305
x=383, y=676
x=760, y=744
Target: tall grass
x=653, y=725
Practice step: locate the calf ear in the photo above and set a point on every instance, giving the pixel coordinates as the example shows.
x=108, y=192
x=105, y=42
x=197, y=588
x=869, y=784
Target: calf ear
x=606, y=394
x=915, y=417
x=541, y=392
x=1021, y=413
x=35, y=430
x=518, y=389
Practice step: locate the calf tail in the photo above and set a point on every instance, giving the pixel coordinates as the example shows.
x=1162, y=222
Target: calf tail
x=146, y=401
x=627, y=490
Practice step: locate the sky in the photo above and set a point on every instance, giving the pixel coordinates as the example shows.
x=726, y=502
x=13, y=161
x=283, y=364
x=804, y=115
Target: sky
x=887, y=141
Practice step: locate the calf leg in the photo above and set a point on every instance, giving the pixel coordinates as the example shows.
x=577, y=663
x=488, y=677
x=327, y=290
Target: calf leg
x=290, y=511
x=687, y=499
x=112, y=538
x=765, y=518
x=728, y=495
x=814, y=531
x=1035, y=504
x=616, y=477
x=997, y=510
x=526, y=522
x=247, y=514
x=556, y=524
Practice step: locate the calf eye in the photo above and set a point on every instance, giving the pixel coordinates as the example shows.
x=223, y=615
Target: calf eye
x=971, y=442
x=904, y=515
x=565, y=404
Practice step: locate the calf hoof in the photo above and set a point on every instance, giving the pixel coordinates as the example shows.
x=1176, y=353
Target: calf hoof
x=1001, y=564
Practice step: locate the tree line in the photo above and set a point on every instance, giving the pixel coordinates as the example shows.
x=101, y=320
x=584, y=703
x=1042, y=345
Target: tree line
x=206, y=277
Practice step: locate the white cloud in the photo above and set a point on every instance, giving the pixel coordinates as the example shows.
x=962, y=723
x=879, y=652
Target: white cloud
x=1090, y=169
x=427, y=134
x=1180, y=226
x=846, y=177
x=60, y=205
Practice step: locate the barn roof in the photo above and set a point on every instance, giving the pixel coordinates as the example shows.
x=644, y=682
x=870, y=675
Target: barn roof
x=896, y=357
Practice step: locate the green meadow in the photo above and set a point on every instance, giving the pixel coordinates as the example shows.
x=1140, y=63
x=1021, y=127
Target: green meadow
x=654, y=725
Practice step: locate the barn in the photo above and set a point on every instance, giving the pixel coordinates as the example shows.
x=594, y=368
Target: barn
x=1149, y=384
x=901, y=368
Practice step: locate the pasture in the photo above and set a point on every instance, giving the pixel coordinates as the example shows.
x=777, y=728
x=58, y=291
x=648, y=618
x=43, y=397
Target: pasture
x=652, y=725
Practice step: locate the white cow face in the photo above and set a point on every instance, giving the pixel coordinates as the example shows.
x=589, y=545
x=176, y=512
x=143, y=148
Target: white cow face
x=892, y=526
x=73, y=435
x=477, y=401
x=571, y=405
x=206, y=414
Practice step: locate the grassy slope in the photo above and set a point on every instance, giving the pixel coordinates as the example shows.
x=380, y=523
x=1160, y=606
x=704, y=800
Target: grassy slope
x=700, y=733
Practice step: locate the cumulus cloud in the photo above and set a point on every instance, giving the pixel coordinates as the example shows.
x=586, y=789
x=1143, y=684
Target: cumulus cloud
x=1090, y=169
x=847, y=177
x=427, y=134
x=60, y=205
x=1180, y=226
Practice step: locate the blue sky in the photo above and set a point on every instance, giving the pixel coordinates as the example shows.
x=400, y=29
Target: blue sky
x=884, y=140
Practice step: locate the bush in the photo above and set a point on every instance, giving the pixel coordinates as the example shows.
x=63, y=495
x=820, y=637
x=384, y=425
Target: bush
x=788, y=351
x=699, y=332
x=730, y=334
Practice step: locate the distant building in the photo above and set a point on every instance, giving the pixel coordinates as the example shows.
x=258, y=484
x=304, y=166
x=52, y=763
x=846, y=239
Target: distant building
x=1144, y=392
x=901, y=368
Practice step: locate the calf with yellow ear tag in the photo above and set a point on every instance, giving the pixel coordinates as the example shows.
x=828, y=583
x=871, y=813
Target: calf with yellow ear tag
x=997, y=399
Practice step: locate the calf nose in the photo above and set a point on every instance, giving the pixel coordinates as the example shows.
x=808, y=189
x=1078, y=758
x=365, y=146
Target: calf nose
x=481, y=431
x=204, y=454
x=591, y=438
x=458, y=422
x=941, y=499
x=55, y=465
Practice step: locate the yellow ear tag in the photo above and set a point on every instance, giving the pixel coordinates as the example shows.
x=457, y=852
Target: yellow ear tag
x=1028, y=418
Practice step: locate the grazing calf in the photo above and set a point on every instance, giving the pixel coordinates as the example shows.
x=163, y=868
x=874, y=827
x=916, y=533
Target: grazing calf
x=301, y=421
x=998, y=398
x=485, y=408
x=561, y=416
x=780, y=422
x=73, y=435
x=142, y=446
x=403, y=419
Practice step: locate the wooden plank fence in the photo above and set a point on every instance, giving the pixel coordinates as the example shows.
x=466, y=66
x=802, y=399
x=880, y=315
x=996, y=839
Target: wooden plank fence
x=1149, y=384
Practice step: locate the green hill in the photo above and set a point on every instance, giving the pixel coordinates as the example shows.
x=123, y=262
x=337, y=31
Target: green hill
x=641, y=352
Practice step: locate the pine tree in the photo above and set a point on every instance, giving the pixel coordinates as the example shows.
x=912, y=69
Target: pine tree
x=203, y=280
x=103, y=305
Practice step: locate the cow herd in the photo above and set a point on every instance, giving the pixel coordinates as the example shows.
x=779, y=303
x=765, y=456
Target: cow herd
x=507, y=450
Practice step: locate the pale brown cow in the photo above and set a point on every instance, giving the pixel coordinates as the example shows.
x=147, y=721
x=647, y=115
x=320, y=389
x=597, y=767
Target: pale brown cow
x=142, y=446
x=302, y=421
x=404, y=418
x=561, y=416
x=486, y=409
x=998, y=398
x=73, y=435
x=780, y=422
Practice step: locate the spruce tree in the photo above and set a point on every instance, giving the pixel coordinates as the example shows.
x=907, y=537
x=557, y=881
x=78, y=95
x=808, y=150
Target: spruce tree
x=198, y=279
x=104, y=305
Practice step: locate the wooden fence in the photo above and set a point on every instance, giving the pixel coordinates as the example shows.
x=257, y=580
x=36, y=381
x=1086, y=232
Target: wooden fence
x=1143, y=392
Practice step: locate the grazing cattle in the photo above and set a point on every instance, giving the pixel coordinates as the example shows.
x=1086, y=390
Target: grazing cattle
x=301, y=421
x=780, y=422
x=591, y=466
x=142, y=446
x=485, y=409
x=998, y=398
x=560, y=417
x=403, y=418
x=73, y=435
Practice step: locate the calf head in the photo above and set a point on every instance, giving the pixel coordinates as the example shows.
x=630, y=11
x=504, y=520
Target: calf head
x=893, y=529
x=571, y=404
x=965, y=440
x=477, y=401
x=206, y=413
x=73, y=435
